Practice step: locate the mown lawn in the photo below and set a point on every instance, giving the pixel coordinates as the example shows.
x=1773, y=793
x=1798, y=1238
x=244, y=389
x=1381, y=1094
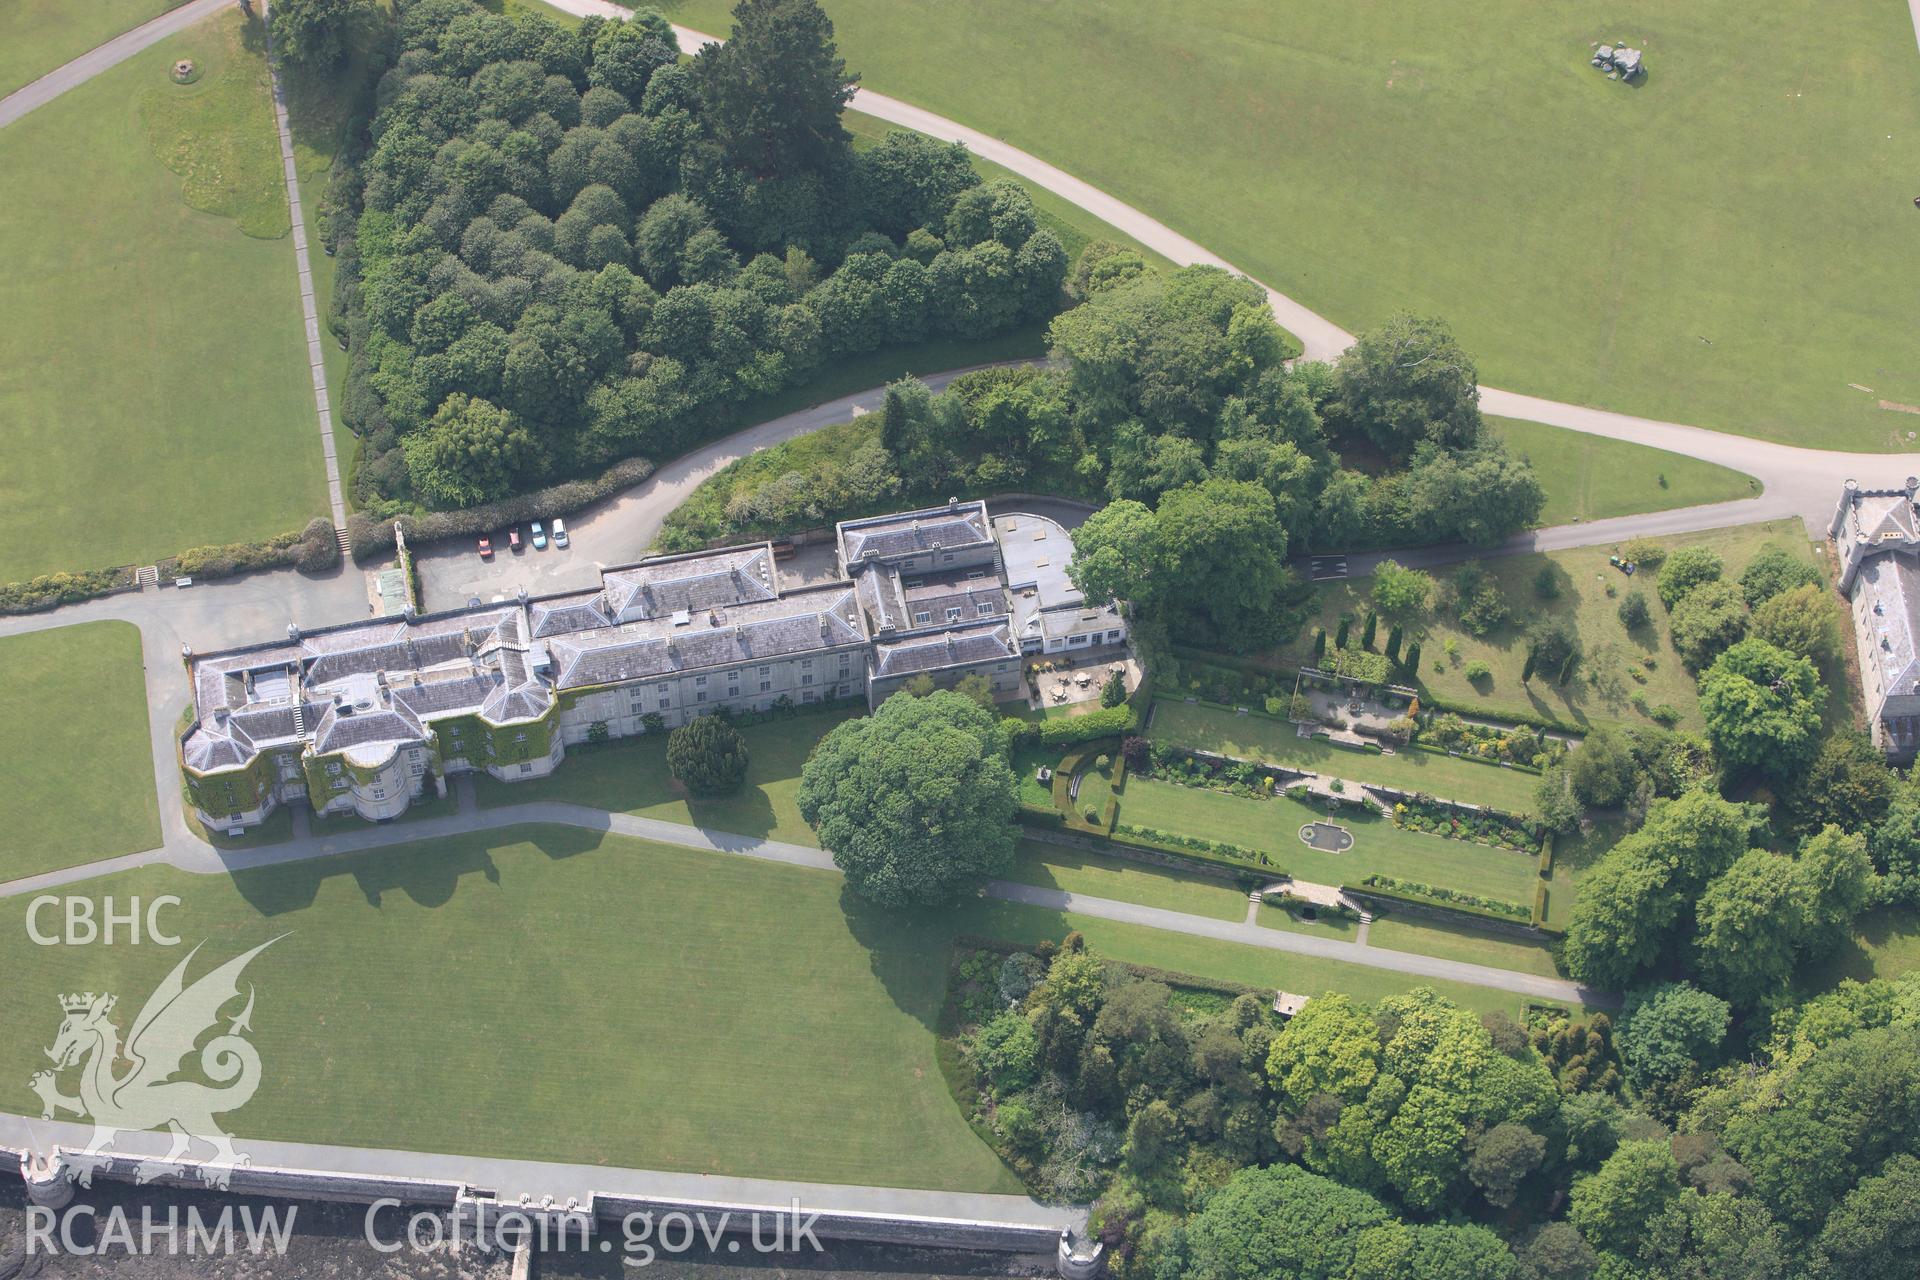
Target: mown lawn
x=153, y=373
x=76, y=772
x=1589, y=477
x=1615, y=665
x=1251, y=737
x=630, y=776
x=1209, y=957
x=1727, y=243
x=1459, y=942
x=1885, y=944
x=643, y=1006
x=1096, y=875
x=1273, y=827
x=659, y=998
x=37, y=36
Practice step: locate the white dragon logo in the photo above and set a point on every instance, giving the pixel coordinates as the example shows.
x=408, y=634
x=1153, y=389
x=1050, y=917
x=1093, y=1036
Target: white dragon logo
x=147, y=1096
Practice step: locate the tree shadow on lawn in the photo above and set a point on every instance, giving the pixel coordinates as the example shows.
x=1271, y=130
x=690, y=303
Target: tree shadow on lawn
x=746, y=812
x=908, y=949
x=429, y=875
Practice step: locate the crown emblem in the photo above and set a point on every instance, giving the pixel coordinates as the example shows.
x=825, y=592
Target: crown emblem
x=82, y=1003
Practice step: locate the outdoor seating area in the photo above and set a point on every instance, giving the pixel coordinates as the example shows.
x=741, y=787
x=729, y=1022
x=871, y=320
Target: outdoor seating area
x=1060, y=683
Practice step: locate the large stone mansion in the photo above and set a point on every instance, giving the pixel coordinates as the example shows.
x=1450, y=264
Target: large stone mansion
x=1876, y=537
x=363, y=716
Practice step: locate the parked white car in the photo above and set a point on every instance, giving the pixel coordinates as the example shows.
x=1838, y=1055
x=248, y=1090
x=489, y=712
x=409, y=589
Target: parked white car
x=560, y=538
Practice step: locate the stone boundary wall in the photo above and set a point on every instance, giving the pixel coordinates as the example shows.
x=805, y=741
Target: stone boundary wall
x=1379, y=905
x=363, y=1189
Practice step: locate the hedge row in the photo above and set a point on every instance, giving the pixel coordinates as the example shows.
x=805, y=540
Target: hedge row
x=314, y=549
x=1171, y=977
x=1111, y=722
x=1427, y=700
x=1219, y=851
x=51, y=590
x=1539, y=904
x=370, y=537
x=1463, y=755
x=1439, y=896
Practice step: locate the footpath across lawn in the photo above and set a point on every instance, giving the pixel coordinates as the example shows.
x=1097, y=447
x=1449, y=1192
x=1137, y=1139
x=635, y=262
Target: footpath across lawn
x=630, y=776
x=36, y=36
x=1272, y=826
x=76, y=772
x=1097, y=875
x=1263, y=738
x=644, y=1006
x=1588, y=477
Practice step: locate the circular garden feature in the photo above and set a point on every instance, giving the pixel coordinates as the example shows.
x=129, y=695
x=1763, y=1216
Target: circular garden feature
x=1328, y=837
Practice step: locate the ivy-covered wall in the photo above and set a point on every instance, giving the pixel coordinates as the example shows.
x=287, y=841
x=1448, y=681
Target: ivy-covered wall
x=234, y=791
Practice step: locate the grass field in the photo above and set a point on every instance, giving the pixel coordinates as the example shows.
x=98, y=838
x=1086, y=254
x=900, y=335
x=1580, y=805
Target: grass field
x=1591, y=477
x=630, y=776
x=1726, y=243
x=153, y=374
x=1271, y=916
x=1603, y=687
x=1077, y=871
x=38, y=35
x=1074, y=225
x=76, y=778
x=1208, y=957
x=1885, y=944
x=1457, y=942
x=1273, y=827
x=1250, y=737
x=637, y=1005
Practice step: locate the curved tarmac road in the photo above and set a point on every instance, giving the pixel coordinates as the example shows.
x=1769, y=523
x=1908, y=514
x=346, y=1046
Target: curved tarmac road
x=1798, y=472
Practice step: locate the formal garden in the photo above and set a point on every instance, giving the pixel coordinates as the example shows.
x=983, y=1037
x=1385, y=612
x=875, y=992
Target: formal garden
x=1480, y=624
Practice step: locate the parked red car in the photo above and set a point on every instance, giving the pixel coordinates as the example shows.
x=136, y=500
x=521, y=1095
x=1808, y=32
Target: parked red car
x=486, y=548
x=513, y=538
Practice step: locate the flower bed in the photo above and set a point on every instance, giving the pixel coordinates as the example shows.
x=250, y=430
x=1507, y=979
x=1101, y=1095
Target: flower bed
x=1440, y=896
x=1482, y=827
x=1524, y=746
x=1197, y=844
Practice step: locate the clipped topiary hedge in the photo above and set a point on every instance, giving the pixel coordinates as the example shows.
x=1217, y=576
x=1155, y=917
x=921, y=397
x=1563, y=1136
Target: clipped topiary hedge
x=313, y=549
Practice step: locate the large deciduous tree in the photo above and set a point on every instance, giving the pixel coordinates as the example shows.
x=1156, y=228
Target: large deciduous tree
x=1632, y=899
x=1803, y=620
x=470, y=453
x=1408, y=382
x=1762, y=707
x=1280, y=1221
x=915, y=801
x=773, y=93
x=312, y=34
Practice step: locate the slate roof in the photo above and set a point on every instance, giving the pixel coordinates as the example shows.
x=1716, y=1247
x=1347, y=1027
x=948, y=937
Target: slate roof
x=1891, y=585
x=704, y=580
x=941, y=651
x=1885, y=517
x=361, y=688
x=890, y=537
x=809, y=621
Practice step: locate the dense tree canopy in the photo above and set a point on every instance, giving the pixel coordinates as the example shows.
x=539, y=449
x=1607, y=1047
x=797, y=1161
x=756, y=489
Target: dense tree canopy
x=1406, y=383
x=915, y=800
x=1762, y=707
x=313, y=34
x=1635, y=901
x=615, y=251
